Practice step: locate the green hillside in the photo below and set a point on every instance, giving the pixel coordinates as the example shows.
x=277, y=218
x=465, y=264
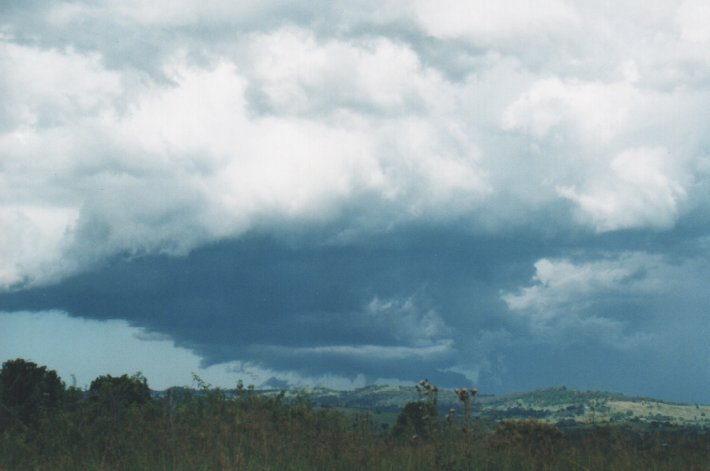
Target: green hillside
x=559, y=406
x=119, y=424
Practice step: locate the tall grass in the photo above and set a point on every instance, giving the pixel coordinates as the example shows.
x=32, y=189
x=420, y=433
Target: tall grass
x=210, y=431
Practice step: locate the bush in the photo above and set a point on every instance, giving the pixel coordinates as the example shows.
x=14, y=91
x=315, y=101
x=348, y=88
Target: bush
x=417, y=418
x=124, y=390
x=115, y=394
x=27, y=392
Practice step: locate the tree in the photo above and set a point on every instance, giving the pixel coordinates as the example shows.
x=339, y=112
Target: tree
x=27, y=391
x=416, y=419
x=117, y=393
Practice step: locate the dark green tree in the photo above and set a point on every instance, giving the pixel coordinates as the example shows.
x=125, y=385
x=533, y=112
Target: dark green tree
x=116, y=393
x=416, y=419
x=27, y=391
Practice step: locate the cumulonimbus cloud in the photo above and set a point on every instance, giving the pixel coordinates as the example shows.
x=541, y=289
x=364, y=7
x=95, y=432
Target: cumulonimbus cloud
x=293, y=121
x=174, y=166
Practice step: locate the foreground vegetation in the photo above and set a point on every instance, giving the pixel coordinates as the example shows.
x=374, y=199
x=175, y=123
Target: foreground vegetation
x=117, y=425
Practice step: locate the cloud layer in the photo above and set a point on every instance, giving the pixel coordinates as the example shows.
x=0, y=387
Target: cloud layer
x=560, y=150
x=303, y=119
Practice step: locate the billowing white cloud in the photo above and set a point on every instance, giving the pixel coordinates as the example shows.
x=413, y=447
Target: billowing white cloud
x=161, y=13
x=561, y=284
x=31, y=238
x=691, y=18
x=291, y=68
x=181, y=164
x=51, y=87
x=643, y=188
x=563, y=301
x=594, y=111
x=160, y=127
x=318, y=113
x=485, y=22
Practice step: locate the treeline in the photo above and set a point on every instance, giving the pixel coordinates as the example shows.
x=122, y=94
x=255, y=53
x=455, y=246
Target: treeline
x=116, y=425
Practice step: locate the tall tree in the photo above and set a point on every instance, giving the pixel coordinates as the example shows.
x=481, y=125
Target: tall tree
x=27, y=391
x=114, y=394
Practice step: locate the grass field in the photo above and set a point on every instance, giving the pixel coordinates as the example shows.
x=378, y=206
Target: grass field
x=210, y=430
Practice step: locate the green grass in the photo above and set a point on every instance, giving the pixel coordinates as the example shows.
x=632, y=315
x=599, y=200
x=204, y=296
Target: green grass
x=251, y=432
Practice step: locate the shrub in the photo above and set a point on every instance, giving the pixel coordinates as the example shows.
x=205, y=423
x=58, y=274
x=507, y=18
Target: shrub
x=124, y=390
x=113, y=395
x=417, y=418
x=27, y=391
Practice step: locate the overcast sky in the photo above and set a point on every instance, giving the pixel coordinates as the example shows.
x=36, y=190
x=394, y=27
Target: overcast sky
x=507, y=194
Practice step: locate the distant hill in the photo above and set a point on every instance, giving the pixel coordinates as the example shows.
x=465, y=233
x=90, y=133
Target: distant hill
x=561, y=406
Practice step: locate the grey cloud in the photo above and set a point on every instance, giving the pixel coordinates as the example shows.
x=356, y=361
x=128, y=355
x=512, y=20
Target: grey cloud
x=260, y=300
x=486, y=129
x=307, y=186
x=420, y=301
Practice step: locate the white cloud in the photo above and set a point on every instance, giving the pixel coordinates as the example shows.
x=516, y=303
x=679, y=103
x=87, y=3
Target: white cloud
x=485, y=22
x=562, y=301
x=172, y=13
x=643, y=188
x=157, y=127
x=291, y=68
x=31, y=237
x=692, y=19
x=186, y=162
x=596, y=111
x=298, y=124
x=49, y=87
x=559, y=284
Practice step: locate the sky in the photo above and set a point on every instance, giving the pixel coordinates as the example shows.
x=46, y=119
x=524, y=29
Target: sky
x=509, y=195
